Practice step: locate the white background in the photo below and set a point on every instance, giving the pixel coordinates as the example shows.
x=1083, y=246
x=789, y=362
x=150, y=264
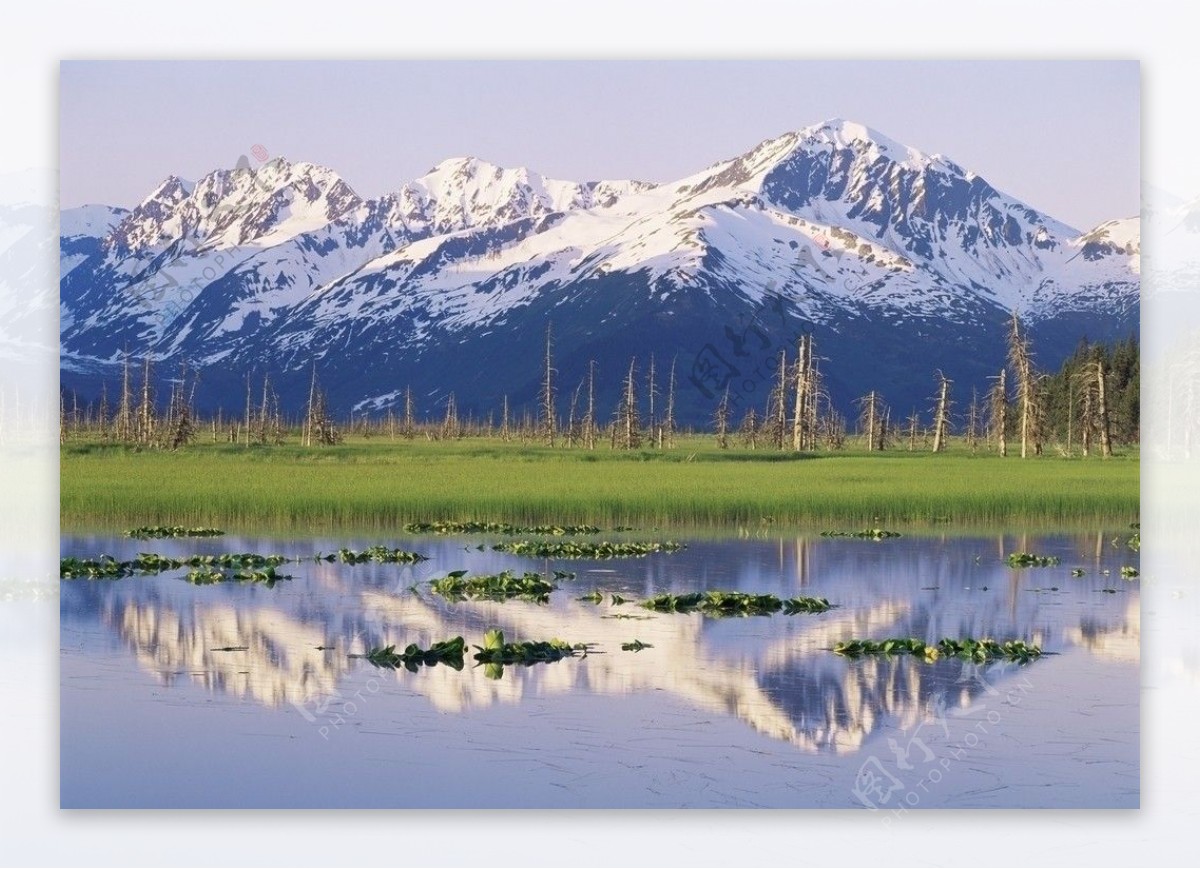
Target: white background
x=34, y=832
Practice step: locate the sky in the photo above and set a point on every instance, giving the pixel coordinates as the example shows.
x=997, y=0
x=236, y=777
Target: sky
x=1063, y=136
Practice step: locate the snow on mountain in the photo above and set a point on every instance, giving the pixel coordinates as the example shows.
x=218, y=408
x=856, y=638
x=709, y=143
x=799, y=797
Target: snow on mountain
x=465, y=192
x=836, y=223
x=89, y=221
x=81, y=232
x=229, y=208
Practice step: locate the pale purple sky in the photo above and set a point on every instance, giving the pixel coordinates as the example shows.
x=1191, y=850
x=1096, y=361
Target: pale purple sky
x=1063, y=136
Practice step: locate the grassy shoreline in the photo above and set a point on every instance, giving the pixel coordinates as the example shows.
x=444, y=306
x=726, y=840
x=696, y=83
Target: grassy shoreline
x=380, y=483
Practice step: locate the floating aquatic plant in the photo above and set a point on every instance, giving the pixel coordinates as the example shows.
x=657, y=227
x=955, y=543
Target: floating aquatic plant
x=585, y=548
x=448, y=652
x=635, y=646
x=172, y=531
x=107, y=567
x=211, y=576
x=498, y=528
x=734, y=603
x=499, y=586
x=380, y=554
x=867, y=534
x=967, y=649
x=1028, y=559
x=495, y=653
x=1128, y=572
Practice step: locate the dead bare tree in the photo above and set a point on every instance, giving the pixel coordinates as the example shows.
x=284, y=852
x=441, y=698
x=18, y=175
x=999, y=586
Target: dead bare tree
x=667, y=428
x=1102, y=420
x=872, y=420
x=125, y=408
x=626, y=430
x=1094, y=415
x=146, y=418
x=318, y=424
x=263, y=430
x=972, y=432
x=941, y=413
x=573, y=433
x=913, y=422
x=180, y=426
x=450, y=424
x=775, y=418
x=104, y=411
x=998, y=414
x=652, y=392
x=546, y=422
x=804, y=412
x=833, y=430
x=749, y=429
x=589, y=418
x=410, y=423
x=721, y=420
x=1020, y=359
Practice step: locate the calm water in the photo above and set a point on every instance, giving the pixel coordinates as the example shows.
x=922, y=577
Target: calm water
x=746, y=712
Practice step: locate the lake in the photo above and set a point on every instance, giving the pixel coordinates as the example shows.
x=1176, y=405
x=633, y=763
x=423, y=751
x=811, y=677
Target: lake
x=176, y=695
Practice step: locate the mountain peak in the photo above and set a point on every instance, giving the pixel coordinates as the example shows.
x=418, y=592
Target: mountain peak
x=466, y=166
x=171, y=189
x=840, y=133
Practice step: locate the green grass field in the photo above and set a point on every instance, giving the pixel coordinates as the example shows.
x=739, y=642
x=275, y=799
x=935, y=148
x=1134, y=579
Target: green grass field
x=379, y=483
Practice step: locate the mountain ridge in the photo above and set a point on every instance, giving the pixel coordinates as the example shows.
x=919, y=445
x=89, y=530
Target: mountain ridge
x=284, y=266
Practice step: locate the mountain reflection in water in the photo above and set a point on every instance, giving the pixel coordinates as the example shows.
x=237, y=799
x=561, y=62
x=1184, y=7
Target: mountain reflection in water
x=776, y=673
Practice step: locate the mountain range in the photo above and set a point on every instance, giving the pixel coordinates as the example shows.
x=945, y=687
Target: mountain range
x=898, y=263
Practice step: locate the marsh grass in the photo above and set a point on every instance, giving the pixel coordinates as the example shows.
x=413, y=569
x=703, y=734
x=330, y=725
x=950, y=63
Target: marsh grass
x=385, y=484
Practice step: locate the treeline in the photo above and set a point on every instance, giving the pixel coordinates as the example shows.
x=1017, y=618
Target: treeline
x=1072, y=395
x=1087, y=407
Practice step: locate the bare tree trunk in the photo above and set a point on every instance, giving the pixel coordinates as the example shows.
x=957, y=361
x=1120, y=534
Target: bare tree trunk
x=589, y=423
x=104, y=411
x=262, y=413
x=1000, y=413
x=125, y=409
x=721, y=420
x=872, y=420
x=800, y=408
x=1102, y=411
x=1070, y=413
x=1020, y=357
x=410, y=422
x=145, y=434
x=572, y=433
x=306, y=435
x=247, y=408
x=1086, y=422
x=668, y=423
x=652, y=389
x=626, y=428
x=941, y=416
x=547, y=397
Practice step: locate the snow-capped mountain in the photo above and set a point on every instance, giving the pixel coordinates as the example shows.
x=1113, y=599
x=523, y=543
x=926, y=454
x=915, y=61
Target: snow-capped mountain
x=899, y=262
